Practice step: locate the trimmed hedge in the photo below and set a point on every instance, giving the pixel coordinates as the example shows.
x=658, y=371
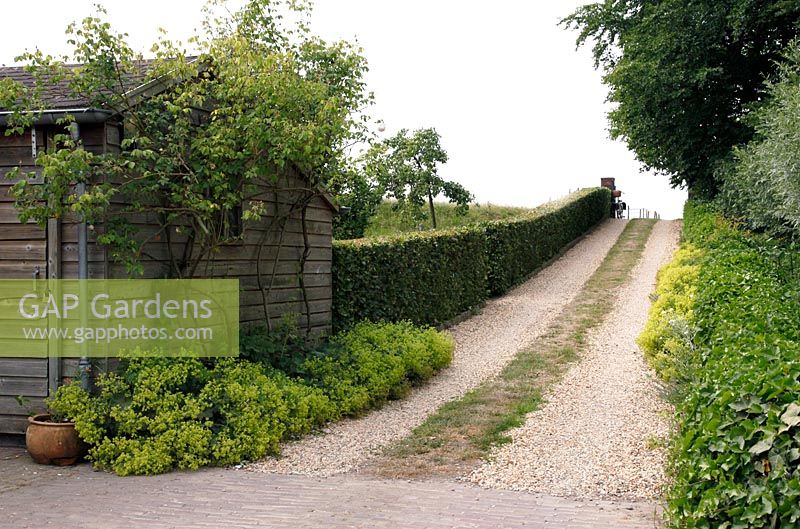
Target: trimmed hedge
x=429, y=278
x=425, y=278
x=517, y=248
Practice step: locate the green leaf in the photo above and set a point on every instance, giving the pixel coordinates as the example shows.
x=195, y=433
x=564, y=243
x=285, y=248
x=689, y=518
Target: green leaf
x=791, y=417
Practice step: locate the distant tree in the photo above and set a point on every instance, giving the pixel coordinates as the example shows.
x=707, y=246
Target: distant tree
x=406, y=167
x=683, y=73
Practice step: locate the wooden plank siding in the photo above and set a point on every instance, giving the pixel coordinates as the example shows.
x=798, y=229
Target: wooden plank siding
x=240, y=259
x=23, y=248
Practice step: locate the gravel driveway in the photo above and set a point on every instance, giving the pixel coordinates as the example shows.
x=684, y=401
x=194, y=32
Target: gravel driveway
x=598, y=435
x=484, y=345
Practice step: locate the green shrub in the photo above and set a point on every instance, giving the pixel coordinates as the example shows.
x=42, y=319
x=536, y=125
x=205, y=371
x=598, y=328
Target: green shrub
x=158, y=414
x=667, y=336
x=736, y=456
x=284, y=347
x=760, y=186
x=429, y=278
x=372, y=363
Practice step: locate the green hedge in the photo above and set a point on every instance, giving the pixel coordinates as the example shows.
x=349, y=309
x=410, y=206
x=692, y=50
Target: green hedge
x=425, y=278
x=516, y=248
x=431, y=277
x=736, y=455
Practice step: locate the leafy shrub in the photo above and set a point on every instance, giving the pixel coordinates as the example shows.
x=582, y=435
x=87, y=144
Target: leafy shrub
x=736, y=457
x=284, y=347
x=667, y=336
x=158, y=414
x=372, y=363
x=762, y=185
x=429, y=278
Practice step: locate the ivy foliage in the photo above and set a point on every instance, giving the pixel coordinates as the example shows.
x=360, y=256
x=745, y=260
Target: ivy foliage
x=429, y=278
x=736, y=455
x=159, y=414
x=683, y=73
x=258, y=95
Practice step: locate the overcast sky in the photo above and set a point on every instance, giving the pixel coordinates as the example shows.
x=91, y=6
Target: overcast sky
x=520, y=111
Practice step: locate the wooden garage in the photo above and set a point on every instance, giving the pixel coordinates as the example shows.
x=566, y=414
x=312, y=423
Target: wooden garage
x=283, y=270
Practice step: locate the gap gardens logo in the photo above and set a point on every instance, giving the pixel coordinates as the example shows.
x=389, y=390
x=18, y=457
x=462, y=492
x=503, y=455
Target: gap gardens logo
x=99, y=318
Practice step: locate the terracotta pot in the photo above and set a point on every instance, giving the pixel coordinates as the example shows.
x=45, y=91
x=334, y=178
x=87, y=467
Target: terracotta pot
x=52, y=443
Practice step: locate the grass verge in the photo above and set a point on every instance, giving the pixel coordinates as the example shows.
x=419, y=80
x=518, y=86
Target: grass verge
x=462, y=432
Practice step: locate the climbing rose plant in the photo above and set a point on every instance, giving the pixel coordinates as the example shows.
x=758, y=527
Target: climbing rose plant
x=259, y=95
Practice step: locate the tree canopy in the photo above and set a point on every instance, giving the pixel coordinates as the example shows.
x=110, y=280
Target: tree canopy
x=683, y=73
x=359, y=198
x=762, y=185
x=406, y=166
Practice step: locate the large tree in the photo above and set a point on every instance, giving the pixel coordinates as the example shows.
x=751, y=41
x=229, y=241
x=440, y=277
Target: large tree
x=407, y=168
x=683, y=73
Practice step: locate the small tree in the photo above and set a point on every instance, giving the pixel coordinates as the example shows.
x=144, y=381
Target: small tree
x=406, y=167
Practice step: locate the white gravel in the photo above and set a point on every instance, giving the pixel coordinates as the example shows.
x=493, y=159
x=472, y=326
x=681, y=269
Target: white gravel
x=484, y=345
x=595, y=436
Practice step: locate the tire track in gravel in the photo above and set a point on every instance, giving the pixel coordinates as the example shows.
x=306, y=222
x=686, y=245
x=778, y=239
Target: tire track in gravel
x=485, y=343
x=598, y=434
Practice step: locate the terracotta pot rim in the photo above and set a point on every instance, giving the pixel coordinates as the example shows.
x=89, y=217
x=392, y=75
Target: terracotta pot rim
x=43, y=419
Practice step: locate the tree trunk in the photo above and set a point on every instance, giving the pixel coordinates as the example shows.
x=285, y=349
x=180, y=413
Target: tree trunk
x=433, y=211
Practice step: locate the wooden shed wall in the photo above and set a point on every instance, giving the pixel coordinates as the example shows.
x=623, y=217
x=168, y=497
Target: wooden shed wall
x=276, y=269
x=24, y=247
x=53, y=250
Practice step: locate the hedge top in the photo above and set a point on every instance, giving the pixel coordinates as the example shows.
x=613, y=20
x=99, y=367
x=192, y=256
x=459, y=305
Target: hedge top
x=531, y=214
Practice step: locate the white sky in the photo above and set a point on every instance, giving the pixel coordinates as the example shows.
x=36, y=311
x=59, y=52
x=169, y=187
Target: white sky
x=520, y=111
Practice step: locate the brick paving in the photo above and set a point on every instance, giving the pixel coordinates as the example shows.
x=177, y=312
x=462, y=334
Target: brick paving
x=36, y=497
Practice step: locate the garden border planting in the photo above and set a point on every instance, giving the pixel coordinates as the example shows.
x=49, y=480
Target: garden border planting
x=728, y=337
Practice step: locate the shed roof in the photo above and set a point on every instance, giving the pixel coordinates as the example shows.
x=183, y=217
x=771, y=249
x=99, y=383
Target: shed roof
x=56, y=94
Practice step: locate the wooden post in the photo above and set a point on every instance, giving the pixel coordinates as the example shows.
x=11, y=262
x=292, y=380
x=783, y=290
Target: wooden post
x=53, y=272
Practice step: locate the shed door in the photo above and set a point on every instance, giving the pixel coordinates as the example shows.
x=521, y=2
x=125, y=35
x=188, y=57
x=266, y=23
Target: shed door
x=23, y=255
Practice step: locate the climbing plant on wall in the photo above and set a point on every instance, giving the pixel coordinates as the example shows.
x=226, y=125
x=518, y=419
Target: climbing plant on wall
x=258, y=95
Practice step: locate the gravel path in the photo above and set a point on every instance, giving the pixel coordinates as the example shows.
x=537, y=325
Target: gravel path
x=484, y=345
x=596, y=435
